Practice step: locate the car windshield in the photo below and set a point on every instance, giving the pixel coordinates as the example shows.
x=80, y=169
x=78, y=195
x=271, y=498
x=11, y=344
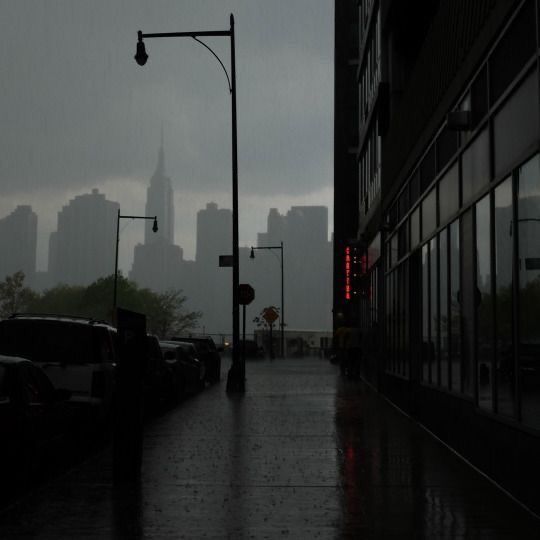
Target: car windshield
x=46, y=341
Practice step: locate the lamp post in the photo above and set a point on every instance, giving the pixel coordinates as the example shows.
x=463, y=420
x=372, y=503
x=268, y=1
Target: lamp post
x=236, y=376
x=282, y=316
x=118, y=218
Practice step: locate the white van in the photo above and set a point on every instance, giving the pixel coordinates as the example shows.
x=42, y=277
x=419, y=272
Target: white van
x=76, y=353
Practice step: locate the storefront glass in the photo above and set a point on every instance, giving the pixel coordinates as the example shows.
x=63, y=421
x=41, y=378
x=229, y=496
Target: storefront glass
x=529, y=290
x=484, y=305
x=505, y=368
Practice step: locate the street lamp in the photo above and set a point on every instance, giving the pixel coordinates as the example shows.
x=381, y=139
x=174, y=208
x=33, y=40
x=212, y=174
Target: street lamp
x=118, y=218
x=282, y=317
x=236, y=376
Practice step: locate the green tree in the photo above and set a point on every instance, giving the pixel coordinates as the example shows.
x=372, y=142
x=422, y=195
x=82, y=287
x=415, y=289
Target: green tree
x=14, y=296
x=165, y=312
x=168, y=317
x=62, y=299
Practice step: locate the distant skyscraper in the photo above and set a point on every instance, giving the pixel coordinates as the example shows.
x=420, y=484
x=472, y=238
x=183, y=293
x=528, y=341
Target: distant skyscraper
x=307, y=267
x=18, y=236
x=157, y=264
x=212, y=292
x=160, y=203
x=214, y=234
x=83, y=247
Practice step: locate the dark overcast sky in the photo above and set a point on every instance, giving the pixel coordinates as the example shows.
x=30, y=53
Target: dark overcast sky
x=78, y=112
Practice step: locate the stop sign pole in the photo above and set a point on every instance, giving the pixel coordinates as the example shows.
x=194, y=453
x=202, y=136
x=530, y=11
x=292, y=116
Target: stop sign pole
x=246, y=295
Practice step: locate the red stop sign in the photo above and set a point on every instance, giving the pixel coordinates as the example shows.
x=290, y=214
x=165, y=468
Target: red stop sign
x=246, y=294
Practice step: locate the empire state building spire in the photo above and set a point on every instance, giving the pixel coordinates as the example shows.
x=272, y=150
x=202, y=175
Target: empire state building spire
x=160, y=169
x=159, y=202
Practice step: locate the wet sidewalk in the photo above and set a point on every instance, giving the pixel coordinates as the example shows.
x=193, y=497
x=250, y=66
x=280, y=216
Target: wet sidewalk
x=303, y=454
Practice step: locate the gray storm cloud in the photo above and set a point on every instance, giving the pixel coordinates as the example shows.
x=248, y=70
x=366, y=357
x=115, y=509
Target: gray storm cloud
x=77, y=110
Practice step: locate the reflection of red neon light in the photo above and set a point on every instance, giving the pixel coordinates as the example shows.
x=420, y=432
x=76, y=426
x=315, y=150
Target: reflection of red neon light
x=363, y=264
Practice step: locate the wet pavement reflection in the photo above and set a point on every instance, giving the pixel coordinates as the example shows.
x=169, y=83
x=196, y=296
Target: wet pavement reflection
x=303, y=454
x=400, y=482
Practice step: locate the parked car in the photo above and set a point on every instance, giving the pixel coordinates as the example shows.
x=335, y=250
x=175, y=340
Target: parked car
x=192, y=370
x=175, y=373
x=34, y=416
x=76, y=353
x=160, y=381
x=208, y=352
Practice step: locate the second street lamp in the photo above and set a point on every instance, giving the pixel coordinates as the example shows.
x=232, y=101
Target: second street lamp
x=282, y=314
x=118, y=218
x=236, y=376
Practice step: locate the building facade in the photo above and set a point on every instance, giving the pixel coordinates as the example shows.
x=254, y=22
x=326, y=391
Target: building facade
x=307, y=252
x=446, y=294
x=18, y=240
x=211, y=288
x=82, y=249
x=158, y=263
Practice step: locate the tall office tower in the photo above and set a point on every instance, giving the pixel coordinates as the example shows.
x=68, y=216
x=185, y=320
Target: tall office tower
x=307, y=259
x=212, y=292
x=307, y=226
x=214, y=234
x=157, y=264
x=160, y=203
x=83, y=247
x=18, y=238
x=275, y=229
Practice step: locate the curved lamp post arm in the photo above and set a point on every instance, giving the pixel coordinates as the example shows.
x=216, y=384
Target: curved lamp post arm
x=218, y=59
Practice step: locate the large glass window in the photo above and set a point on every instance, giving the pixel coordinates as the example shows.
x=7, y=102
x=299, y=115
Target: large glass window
x=443, y=307
x=447, y=145
x=434, y=309
x=403, y=292
x=394, y=321
x=399, y=325
x=394, y=249
x=475, y=166
x=415, y=228
x=428, y=168
x=516, y=125
x=426, y=352
x=388, y=327
x=429, y=213
x=484, y=305
x=479, y=98
x=455, y=316
x=414, y=187
x=467, y=298
x=403, y=239
x=505, y=368
x=529, y=290
x=449, y=194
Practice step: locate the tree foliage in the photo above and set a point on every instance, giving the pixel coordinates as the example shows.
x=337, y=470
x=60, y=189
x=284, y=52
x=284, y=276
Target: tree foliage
x=165, y=312
x=14, y=296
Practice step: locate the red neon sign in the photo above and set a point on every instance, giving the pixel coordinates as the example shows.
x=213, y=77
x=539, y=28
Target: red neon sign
x=347, y=273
